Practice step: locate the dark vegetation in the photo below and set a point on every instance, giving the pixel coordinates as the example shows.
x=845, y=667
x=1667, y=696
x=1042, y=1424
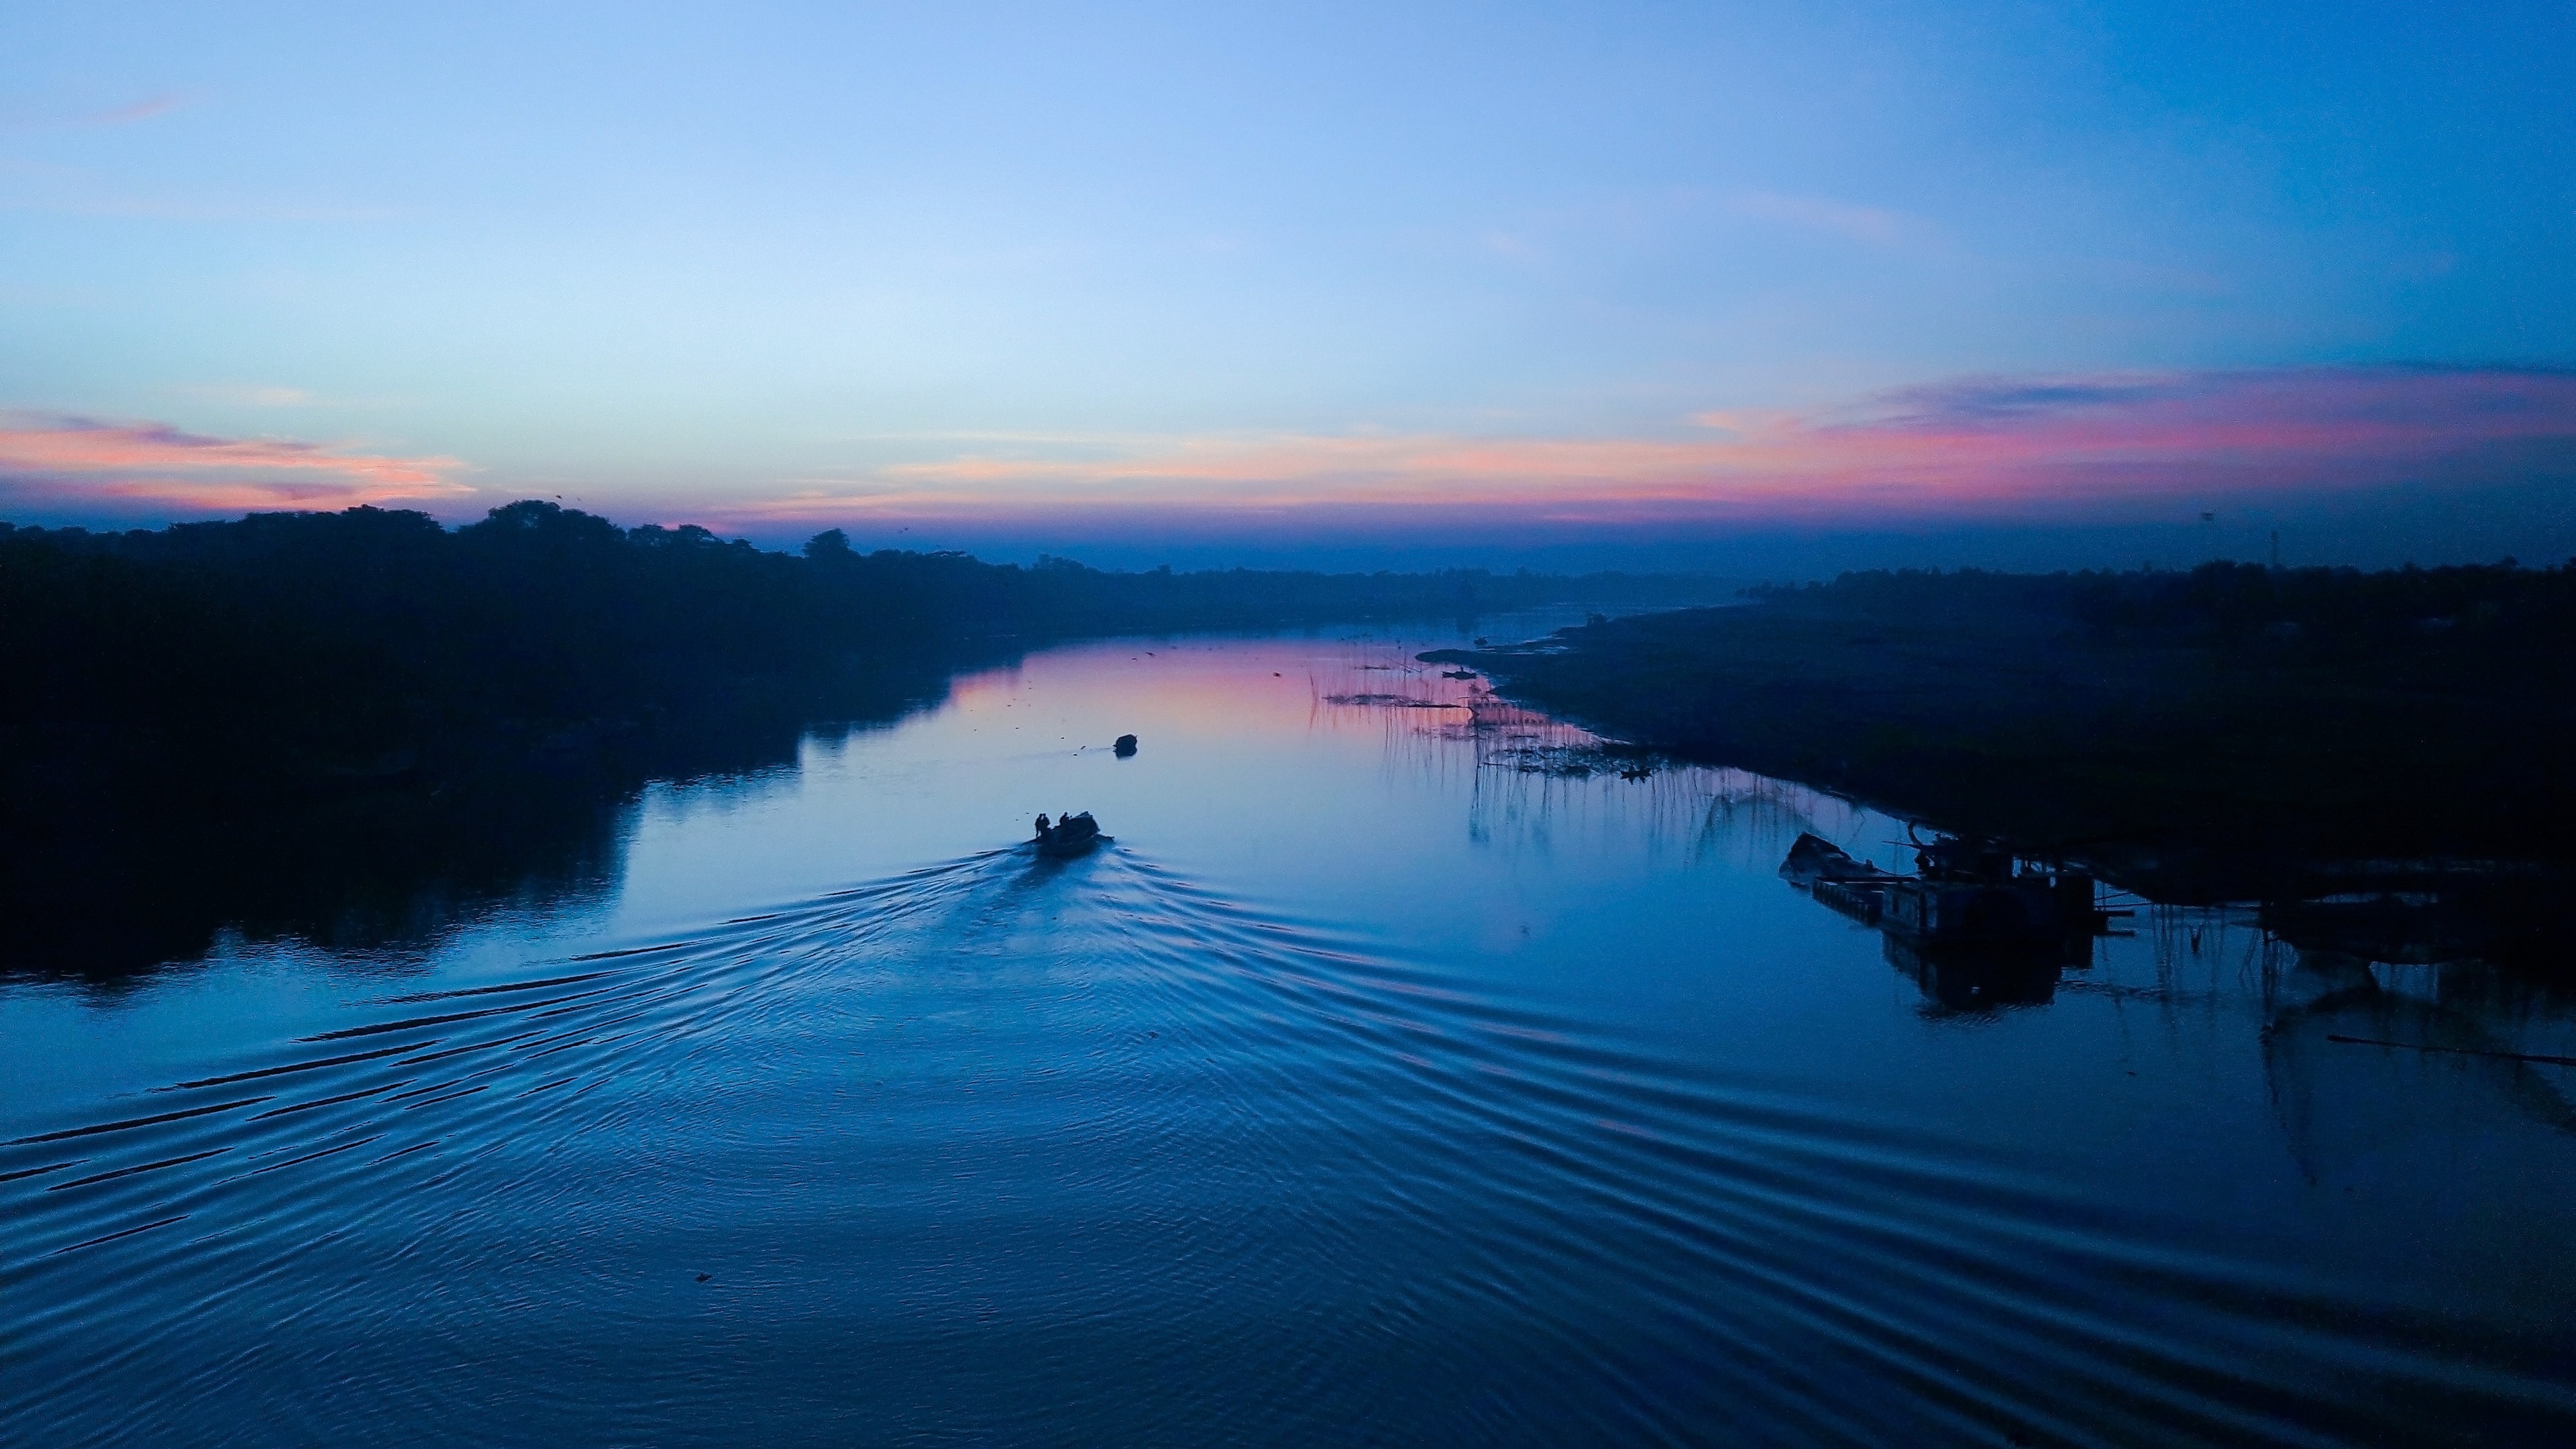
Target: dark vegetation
x=325, y=723
x=2231, y=732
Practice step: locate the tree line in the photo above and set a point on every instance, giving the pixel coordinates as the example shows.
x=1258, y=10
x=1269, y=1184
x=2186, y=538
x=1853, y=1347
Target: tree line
x=323, y=645
x=2346, y=613
x=349, y=726
x=2229, y=731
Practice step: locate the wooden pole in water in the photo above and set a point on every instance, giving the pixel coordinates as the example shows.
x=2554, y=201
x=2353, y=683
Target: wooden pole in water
x=2457, y=1051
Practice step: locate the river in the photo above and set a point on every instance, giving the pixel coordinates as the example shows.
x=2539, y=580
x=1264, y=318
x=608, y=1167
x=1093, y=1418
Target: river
x=1391, y=1076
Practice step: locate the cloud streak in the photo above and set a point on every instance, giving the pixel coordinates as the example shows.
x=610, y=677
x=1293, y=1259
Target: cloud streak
x=142, y=110
x=54, y=461
x=2102, y=446
x=253, y=395
x=36, y=116
x=1869, y=224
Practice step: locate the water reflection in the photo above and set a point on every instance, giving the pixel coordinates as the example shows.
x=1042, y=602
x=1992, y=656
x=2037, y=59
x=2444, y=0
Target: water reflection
x=2344, y=1034
x=1983, y=979
x=358, y=875
x=1408, y=1069
x=400, y=867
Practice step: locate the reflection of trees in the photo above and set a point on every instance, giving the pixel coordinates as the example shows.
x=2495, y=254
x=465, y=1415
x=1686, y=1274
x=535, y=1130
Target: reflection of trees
x=382, y=871
x=395, y=866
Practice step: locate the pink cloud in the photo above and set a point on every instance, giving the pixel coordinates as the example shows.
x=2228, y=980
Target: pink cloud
x=142, y=110
x=1815, y=213
x=2094, y=445
x=71, y=460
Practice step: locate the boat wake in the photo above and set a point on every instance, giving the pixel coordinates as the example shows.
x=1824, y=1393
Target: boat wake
x=1154, y=1158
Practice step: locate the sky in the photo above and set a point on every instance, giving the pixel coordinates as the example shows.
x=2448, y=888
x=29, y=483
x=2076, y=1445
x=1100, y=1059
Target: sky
x=1766, y=288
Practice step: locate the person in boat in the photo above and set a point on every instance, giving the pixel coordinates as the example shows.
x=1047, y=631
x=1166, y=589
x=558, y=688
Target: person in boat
x=1045, y=832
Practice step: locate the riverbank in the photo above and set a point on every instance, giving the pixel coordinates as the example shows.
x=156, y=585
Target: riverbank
x=265, y=720
x=1435, y=1072
x=2227, y=734
x=243, y=664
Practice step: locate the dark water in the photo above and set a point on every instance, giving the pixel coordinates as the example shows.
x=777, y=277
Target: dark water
x=1377, y=1085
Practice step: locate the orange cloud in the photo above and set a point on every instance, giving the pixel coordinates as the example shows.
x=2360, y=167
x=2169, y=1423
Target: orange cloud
x=1979, y=447
x=56, y=459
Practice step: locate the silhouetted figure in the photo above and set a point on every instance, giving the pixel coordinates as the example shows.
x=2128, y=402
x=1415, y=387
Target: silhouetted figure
x=1044, y=831
x=1072, y=835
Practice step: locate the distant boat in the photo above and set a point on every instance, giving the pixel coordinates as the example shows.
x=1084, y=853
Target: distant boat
x=1073, y=835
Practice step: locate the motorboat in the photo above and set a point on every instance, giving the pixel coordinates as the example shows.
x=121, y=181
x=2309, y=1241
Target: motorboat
x=1073, y=835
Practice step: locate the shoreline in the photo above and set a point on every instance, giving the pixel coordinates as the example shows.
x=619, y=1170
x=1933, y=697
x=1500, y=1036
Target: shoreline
x=2184, y=771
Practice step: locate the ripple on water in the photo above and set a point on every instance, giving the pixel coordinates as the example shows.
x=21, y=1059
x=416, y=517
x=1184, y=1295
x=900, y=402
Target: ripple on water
x=1085, y=1151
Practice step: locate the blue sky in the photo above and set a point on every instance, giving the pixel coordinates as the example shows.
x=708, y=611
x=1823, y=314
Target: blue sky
x=1256, y=281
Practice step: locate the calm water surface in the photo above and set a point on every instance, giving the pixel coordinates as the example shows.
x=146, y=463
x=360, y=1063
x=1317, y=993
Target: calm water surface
x=1377, y=1085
